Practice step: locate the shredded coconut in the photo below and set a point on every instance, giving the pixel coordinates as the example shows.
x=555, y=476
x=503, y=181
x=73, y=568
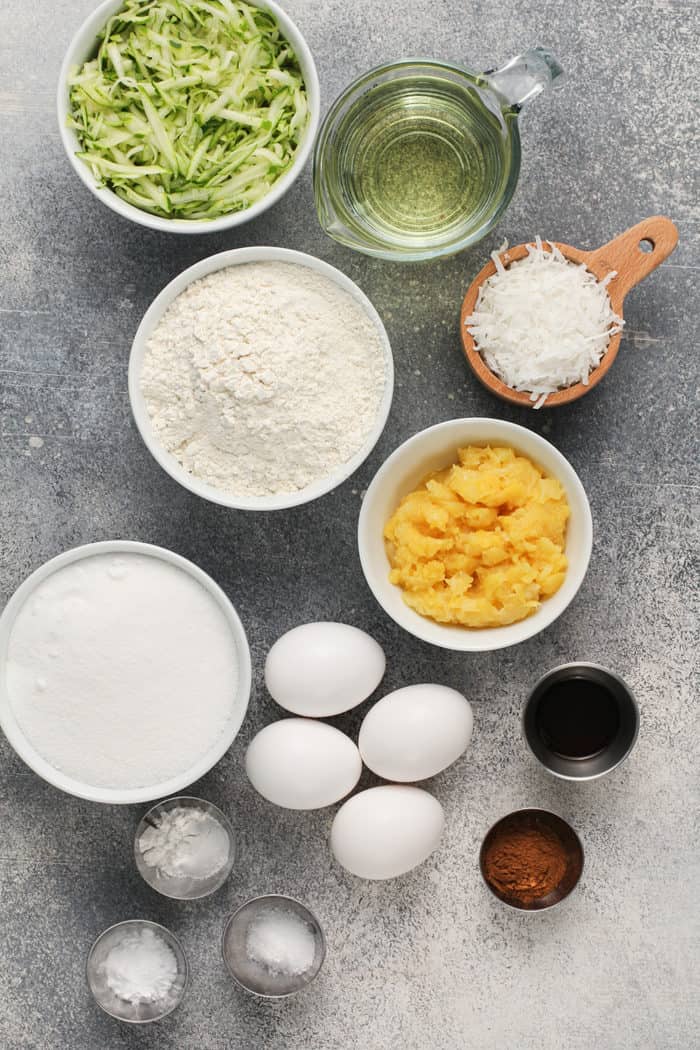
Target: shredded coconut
x=264, y=377
x=141, y=967
x=187, y=844
x=543, y=323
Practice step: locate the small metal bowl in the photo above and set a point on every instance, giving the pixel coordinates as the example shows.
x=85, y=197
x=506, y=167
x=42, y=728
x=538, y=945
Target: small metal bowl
x=602, y=762
x=251, y=975
x=181, y=888
x=524, y=819
x=120, y=1009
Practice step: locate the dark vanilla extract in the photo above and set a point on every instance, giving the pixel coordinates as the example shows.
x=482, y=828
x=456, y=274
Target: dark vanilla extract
x=577, y=718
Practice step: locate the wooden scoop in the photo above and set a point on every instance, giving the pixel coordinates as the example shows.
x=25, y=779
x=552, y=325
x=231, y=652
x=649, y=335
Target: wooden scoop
x=634, y=254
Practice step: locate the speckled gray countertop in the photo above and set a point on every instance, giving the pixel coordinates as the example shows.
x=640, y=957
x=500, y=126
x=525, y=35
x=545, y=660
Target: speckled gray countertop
x=429, y=961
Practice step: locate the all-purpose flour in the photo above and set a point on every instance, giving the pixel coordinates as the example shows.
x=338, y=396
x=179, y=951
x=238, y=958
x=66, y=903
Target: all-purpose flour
x=121, y=670
x=264, y=377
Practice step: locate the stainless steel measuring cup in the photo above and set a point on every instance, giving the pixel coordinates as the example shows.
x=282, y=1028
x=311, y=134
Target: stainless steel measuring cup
x=419, y=159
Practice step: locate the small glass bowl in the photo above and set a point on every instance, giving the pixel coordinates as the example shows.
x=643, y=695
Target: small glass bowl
x=524, y=819
x=178, y=887
x=120, y=1009
x=250, y=975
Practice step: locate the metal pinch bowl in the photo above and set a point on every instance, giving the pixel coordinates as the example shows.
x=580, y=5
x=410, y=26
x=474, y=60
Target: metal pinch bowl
x=526, y=819
x=633, y=255
x=250, y=975
x=602, y=762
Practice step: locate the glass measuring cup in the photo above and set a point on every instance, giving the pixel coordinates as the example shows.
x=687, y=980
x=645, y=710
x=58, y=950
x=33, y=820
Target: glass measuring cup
x=419, y=159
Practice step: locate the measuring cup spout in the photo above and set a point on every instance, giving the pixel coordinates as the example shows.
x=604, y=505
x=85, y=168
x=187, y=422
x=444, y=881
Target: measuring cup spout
x=524, y=77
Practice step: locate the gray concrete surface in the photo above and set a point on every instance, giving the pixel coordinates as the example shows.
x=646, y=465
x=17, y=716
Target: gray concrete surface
x=429, y=961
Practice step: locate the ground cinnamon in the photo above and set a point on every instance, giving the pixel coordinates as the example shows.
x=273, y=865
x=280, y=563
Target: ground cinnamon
x=525, y=863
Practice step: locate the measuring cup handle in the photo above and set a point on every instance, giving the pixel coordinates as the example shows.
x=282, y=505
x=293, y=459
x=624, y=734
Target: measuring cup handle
x=636, y=252
x=524, y=77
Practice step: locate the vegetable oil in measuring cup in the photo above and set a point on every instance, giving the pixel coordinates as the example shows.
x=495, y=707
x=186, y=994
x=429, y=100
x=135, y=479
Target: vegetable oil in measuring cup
x=418, y=159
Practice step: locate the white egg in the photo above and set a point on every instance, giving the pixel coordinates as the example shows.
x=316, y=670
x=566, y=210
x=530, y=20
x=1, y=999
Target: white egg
x=385, y=831
x=301, y=764
x=416, y=732
x=323, y=669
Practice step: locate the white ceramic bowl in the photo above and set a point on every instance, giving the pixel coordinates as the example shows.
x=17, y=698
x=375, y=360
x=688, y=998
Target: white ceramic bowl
x=175, y=785
x=434, y=449
x=168, y=462
x=83, y=46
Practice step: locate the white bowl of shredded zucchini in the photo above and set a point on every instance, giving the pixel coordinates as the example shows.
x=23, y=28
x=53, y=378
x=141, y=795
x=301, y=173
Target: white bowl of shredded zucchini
x=188, y=116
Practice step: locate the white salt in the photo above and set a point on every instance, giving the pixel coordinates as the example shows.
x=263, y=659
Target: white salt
x=187, y=843
x=141, y=967
x=282, y=942
x=121, y=670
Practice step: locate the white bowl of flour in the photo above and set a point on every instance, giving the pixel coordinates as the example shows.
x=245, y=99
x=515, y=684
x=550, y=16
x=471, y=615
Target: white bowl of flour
x=261, y=378
x=124, y=672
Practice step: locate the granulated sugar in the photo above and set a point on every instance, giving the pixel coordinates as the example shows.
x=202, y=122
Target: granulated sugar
x=121, y=670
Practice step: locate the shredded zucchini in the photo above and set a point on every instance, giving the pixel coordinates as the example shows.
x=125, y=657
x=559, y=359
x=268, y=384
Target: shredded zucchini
x=191, y=109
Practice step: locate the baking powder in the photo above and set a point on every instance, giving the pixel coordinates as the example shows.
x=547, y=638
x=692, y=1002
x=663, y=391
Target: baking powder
x=264, y=377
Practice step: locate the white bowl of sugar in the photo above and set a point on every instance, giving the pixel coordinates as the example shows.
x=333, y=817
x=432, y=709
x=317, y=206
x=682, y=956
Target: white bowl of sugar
x=261, y=378
x=124, y=672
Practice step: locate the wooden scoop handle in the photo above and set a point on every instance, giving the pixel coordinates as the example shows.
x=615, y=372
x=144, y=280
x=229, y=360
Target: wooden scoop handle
x=634, y=254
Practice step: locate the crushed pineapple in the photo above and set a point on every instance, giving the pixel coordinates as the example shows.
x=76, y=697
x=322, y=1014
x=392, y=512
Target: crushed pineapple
x=480, y=544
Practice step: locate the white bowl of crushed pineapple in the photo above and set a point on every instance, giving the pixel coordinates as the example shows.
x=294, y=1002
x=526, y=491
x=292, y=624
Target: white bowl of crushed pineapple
x=475, y=534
